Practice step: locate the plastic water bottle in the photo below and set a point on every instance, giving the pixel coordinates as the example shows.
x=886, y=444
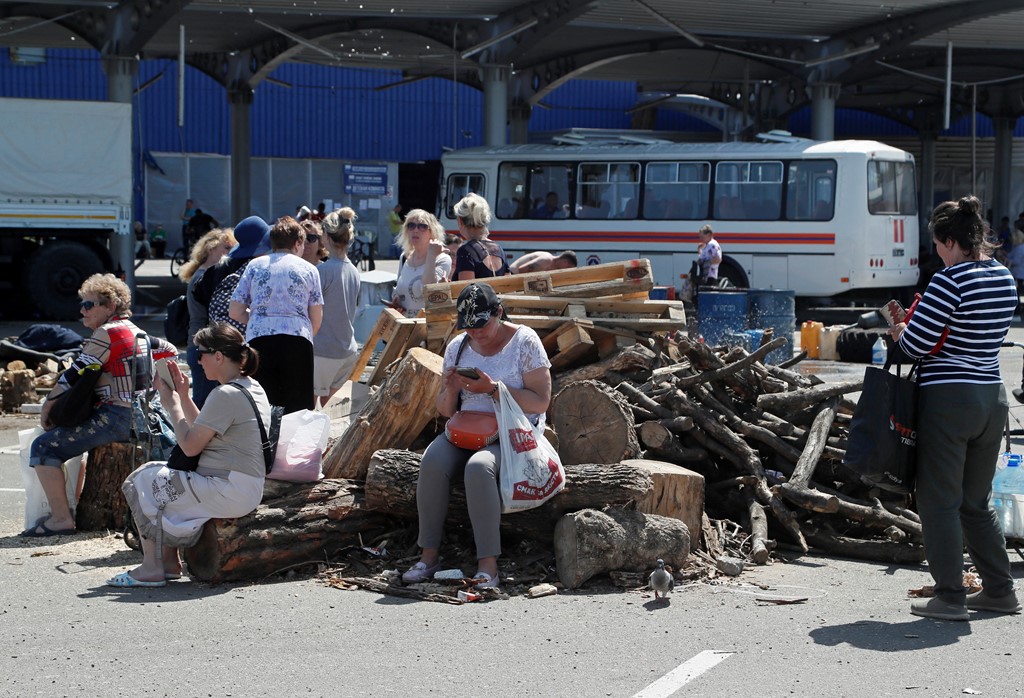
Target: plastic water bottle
x=1008, y=497
x=879, y=352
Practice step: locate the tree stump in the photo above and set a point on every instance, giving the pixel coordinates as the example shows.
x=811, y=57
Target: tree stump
x=102, y=505
x=16, y=388
x=678, y=493
x=392, y=418
x=594, y=424
x=391, y=488
x=310, y=522
x=591, y=542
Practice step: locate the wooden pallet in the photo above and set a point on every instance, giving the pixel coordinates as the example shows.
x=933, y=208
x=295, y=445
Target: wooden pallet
x=398, y=333
x=628, y=279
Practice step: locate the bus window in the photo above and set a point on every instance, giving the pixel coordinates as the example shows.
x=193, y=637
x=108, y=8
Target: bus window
x=891, y=188
x=906, y=190
x=608, y=190
x=511, y=201
x=810, y=190
x=549, y=190
x=677, y=190
x=748, y=191
x=459, y=185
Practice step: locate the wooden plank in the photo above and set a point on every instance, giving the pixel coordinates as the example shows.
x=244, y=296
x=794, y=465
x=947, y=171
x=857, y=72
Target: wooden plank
x=568, y=344
x=547, y=322
x=386, y=319
x=397, y=342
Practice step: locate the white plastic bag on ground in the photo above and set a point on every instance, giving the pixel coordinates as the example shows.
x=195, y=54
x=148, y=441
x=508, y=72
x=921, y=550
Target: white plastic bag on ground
x=36, y=506
x=300, y=447
x=531, y=471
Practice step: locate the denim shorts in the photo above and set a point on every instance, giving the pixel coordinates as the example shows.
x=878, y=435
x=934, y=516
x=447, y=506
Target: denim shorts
x=109, y=423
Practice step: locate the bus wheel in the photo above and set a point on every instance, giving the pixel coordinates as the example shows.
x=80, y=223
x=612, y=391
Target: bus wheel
x=53, y=275
x=734, y=273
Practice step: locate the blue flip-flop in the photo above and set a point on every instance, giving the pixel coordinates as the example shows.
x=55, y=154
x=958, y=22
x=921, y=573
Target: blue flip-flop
x=126, y=581
x=34, y=532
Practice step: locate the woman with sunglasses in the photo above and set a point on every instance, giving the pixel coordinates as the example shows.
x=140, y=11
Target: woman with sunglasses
x=313, y=251
x=170, y=506
x=105, y=307
x=423, y=261
x=280, y=302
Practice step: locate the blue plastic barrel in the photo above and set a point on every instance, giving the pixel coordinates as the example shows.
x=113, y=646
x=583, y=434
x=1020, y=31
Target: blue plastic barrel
x=720, y=314
x=774, y=309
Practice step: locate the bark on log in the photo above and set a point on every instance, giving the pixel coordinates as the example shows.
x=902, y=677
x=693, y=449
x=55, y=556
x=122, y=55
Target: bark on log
x=631, y=360
x=781, y=403
x=391, y=488
x=666, y=446
x=678, y=493
x=594, y=424
x=816, y=441
x=392, y=418
x=309, y=523
x=102, y=506
x=759, y=551
x=732, y=368
x=880, y=551
x=592, y=542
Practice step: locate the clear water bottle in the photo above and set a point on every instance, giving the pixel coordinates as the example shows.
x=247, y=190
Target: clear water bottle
x=1008, y=497
x=879, y=352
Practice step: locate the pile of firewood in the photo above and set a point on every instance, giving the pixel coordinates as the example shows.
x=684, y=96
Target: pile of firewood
x=21, y=384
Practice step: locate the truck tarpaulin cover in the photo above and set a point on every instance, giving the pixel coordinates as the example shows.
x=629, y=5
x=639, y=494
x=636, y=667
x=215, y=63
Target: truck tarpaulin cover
x=66, y=149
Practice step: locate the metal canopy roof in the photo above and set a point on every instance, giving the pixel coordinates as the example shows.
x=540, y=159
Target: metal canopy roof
x=762, y=57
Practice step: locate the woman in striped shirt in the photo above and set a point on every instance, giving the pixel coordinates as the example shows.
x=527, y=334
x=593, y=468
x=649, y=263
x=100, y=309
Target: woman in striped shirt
x=961, y=412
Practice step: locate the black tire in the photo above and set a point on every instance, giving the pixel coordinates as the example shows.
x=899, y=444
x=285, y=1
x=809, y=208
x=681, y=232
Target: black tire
x=854, y=344
x=732, y=271
x=55, y=272
x=177, y=260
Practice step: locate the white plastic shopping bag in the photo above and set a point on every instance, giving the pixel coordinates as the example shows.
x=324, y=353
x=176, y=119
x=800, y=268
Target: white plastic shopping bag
x=300, y=447
x=36, y=505
x=531, y=471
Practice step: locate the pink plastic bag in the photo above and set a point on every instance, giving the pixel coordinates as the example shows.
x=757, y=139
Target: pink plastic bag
x=300, y=447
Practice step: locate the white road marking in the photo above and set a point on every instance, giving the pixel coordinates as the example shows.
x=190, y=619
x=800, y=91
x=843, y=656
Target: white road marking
x=683, y=674
x=10, y=489
x=10, y=450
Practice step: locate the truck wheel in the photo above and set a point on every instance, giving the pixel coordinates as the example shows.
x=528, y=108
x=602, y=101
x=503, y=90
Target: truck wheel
x=730, y=270
x=54, y=274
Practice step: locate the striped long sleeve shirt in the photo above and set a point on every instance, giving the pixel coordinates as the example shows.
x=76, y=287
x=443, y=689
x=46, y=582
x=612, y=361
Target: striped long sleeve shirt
x=976, y=301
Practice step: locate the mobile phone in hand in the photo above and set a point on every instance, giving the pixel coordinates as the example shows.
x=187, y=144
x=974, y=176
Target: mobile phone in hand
x=467, y=371
x=893, y=312
x=164, y=372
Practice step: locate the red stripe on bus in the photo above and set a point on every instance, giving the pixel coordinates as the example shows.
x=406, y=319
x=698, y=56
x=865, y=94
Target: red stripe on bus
x=619, y=236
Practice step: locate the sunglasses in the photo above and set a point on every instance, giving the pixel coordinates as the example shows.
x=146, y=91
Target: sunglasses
x=417, y=226
x=312, y=237
x=87, y=305
x=202, y=350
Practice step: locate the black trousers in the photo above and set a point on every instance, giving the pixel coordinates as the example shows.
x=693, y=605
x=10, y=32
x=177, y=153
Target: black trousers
x=286, y=370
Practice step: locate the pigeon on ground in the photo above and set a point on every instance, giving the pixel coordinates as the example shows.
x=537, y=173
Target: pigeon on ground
x=661, y=580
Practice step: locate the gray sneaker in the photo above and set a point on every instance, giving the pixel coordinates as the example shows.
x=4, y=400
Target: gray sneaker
x=981, y=601
x=937, y=608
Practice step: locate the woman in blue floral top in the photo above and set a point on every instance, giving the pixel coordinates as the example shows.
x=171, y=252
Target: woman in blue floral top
x=280, y=302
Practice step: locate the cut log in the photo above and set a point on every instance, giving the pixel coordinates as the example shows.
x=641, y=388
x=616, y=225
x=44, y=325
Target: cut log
x=759, y=550
x=594, y=424
x=102, y=507
x=592, y=542
x=391, y=488
x=678, y=493
x=309, y=523
x=392, y=418
x=664, y=445
x=816, y=442
x=880, y=551
x=781, y=403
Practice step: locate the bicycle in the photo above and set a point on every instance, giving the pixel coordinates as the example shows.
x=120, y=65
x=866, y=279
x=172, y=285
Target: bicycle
x=178, y=259
x=360, y=252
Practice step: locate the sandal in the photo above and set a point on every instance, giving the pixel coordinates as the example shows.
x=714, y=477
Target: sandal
x=488, y=582
x=420, y=572
x=126, y=581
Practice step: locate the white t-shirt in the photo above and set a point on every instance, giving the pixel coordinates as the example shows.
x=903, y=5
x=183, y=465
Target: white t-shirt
x=710, y=251
x=409, y=287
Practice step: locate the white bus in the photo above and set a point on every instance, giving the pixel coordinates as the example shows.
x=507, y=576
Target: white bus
x=820, y=218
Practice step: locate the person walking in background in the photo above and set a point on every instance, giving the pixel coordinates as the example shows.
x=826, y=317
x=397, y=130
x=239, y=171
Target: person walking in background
x=335, y=350
x=961, y=412
x=395, y=226
x=478, y=257
x=423, y=261
x=206, y=253
x=186, y=216
x=142, y=247
x=279, y=300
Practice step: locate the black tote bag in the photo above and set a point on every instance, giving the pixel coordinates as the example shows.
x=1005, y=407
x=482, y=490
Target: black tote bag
x=77, y=403
x=882, y=446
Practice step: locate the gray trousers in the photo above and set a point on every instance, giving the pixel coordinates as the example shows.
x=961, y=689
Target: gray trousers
x=442, y=462
x=959, y=429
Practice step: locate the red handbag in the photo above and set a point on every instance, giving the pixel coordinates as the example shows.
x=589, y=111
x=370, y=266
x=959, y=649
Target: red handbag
x=472, y=430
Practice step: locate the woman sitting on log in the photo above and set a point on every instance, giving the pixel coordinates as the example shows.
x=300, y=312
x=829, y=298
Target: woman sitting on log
x=170, y=506
x=105, y=308
x=499, y=351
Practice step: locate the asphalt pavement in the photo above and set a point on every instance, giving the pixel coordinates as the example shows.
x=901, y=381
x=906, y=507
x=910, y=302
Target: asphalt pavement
x=807, y=626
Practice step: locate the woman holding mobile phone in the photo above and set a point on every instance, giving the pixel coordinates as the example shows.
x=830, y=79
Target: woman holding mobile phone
x=493, y=350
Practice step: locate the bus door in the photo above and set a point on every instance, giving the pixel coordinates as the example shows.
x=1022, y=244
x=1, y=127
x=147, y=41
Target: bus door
x=891, y=237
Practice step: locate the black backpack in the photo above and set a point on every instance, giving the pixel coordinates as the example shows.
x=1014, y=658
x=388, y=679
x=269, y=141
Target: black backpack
x=176, y=322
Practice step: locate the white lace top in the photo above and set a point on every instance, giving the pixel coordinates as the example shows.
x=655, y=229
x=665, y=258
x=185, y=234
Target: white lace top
x=523, y=353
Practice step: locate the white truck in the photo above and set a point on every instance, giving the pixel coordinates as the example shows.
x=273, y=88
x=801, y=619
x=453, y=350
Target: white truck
x=65, y=200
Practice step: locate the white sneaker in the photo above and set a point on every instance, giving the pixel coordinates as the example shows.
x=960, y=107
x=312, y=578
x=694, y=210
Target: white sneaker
x=488, y=582
x=420, y=572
